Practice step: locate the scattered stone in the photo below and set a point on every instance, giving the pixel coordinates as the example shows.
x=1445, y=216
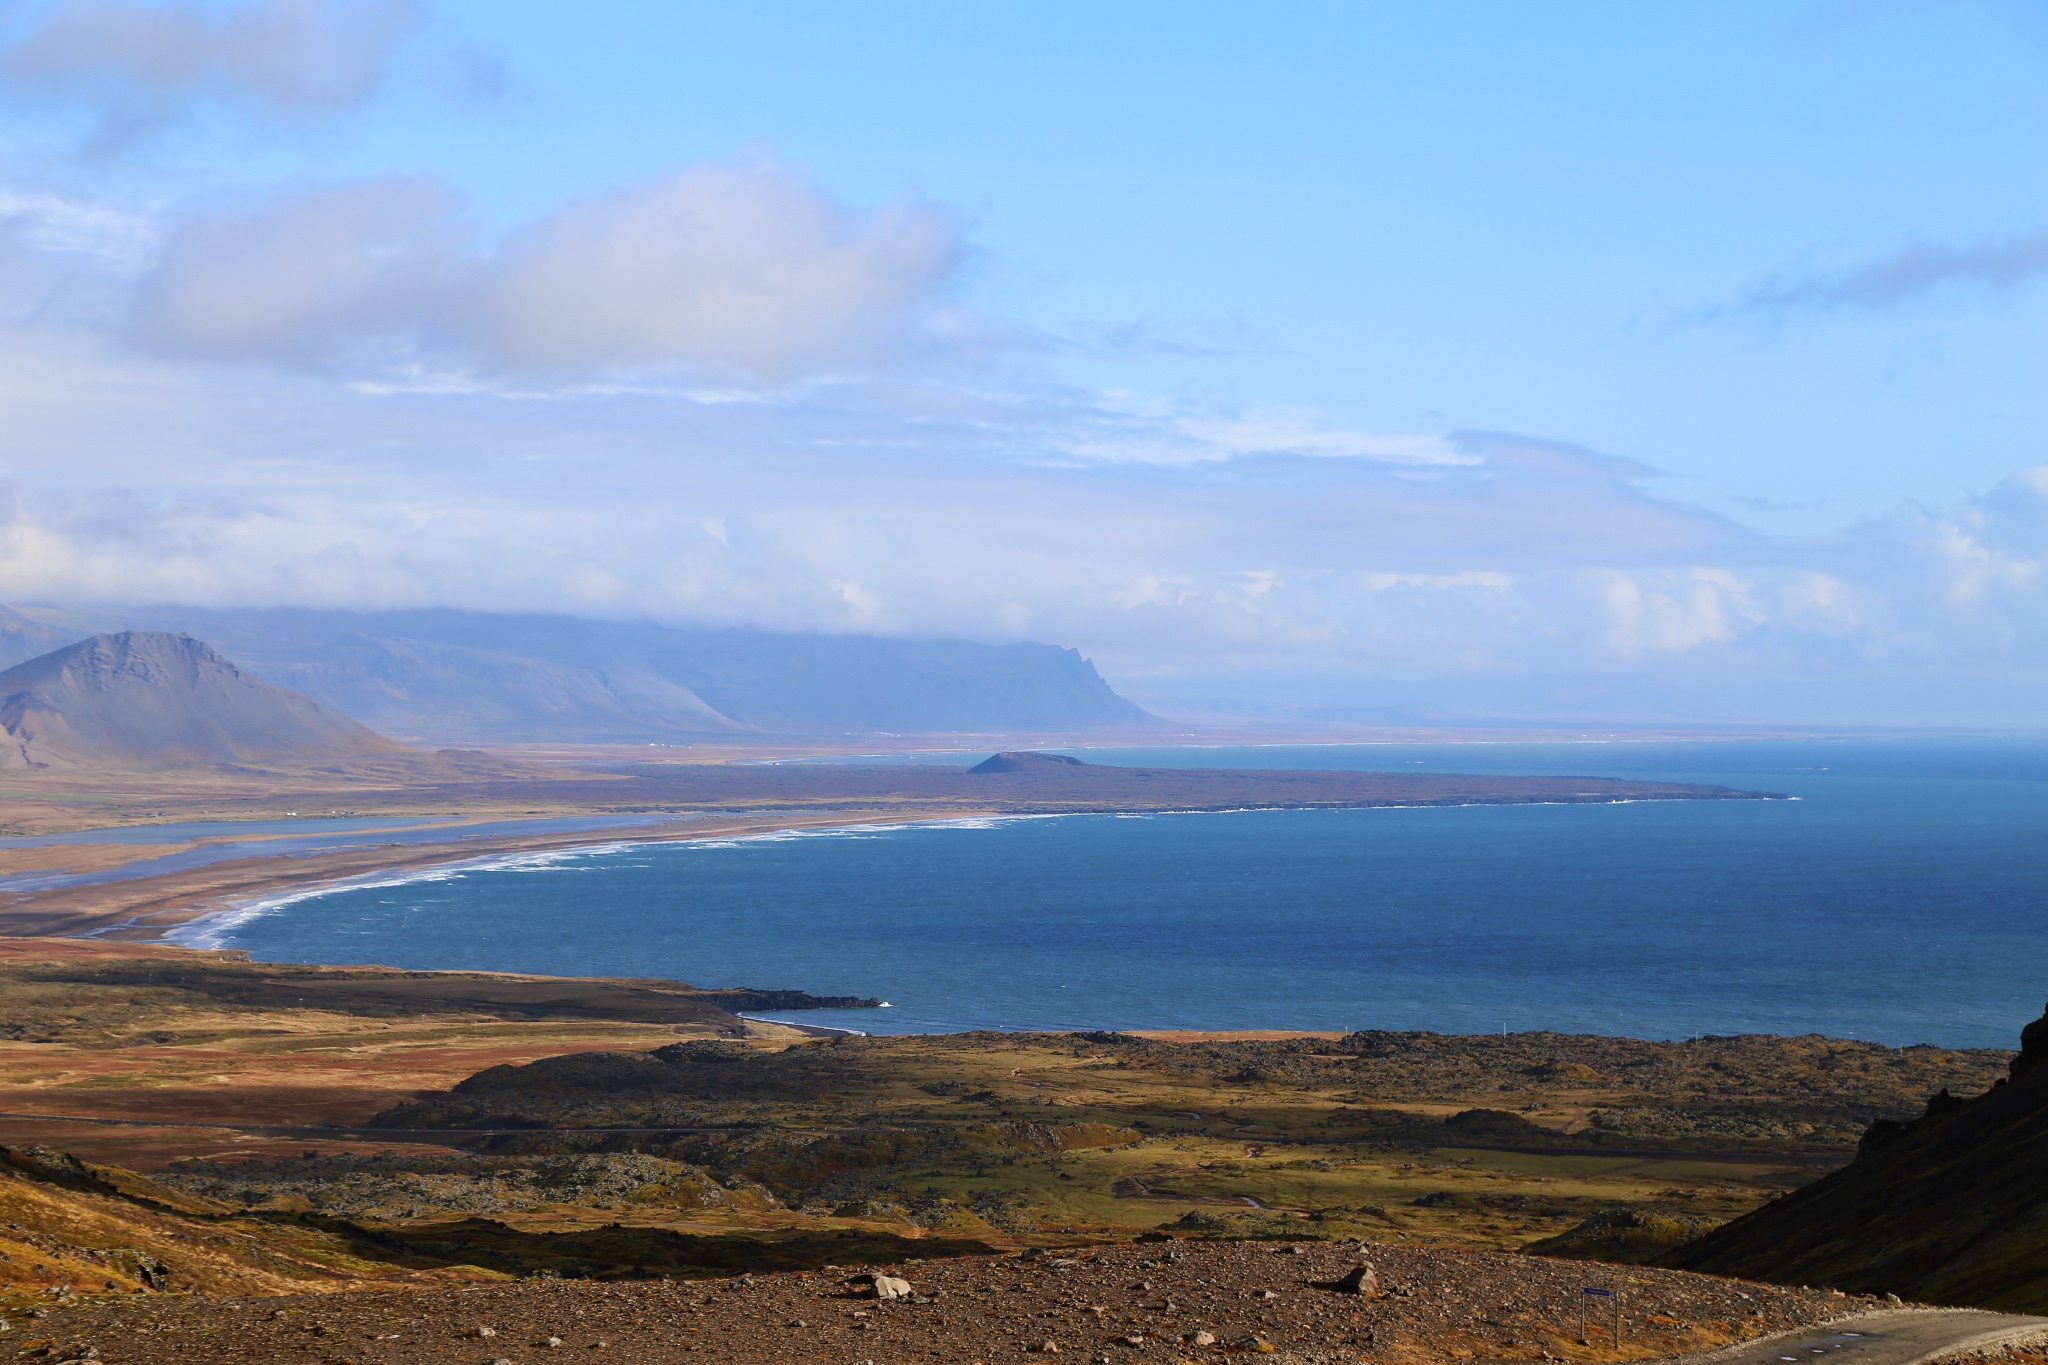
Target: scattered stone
x=1359, y=1281
x=885, y=1287
x=1202, y=1339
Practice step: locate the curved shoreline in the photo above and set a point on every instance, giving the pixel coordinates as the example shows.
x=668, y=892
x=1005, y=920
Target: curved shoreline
x=149, y=909
x=156, y=908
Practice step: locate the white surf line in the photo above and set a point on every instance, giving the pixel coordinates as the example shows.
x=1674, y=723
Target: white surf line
x=206, y=930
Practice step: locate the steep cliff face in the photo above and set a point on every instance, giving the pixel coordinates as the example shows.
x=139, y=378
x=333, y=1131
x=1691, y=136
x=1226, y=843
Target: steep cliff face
x=1951, y=1207
x=145, y=699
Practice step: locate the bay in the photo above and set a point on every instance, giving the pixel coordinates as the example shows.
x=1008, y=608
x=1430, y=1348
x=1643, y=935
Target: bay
x=1903, y=897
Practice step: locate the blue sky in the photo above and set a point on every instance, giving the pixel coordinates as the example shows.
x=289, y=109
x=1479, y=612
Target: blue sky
x=1680, y=362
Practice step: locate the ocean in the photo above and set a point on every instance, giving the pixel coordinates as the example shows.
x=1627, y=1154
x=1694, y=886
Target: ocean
x=1902, y=898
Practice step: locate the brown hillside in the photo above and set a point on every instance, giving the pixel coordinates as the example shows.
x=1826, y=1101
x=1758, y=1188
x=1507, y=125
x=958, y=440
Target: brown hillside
x=1949, y=1208
x=145, y=699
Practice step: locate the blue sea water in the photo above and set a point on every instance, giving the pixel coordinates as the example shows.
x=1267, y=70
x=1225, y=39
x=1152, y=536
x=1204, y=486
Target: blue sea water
x=1902, y=898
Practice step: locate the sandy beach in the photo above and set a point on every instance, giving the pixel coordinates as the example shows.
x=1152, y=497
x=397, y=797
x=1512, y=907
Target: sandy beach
x=146, y=908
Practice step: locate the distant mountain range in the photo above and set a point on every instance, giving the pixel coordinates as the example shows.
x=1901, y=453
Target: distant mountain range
x=144, y=699
x=461, y=675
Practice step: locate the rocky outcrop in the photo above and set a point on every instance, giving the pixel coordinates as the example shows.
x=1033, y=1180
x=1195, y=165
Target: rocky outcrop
x=1949, y=1207
x=1626, y=1236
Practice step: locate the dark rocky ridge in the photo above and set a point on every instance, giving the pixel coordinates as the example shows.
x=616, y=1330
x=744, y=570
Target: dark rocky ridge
x=386, y=992
x=1951, y=1207
x=145, y=699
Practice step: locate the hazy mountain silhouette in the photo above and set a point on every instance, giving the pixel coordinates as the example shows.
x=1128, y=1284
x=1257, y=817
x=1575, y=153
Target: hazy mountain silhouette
x=146, y=699
x=453, y=675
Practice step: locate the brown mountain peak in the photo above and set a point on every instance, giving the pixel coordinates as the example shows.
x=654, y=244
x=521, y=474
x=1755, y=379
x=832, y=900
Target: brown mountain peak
x=150, y=699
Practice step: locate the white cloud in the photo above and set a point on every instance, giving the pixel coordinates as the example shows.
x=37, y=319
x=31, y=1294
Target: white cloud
x=1976, y=567
x=1675, y=612
x=743, y=269
x=301, y=277
x=737, y=266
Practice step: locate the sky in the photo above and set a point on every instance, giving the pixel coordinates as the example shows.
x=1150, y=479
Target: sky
x=1596, y=362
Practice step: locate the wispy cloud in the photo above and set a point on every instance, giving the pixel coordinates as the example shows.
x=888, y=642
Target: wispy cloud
x=40, y=221
x=1914, y=270
x=1295, y=433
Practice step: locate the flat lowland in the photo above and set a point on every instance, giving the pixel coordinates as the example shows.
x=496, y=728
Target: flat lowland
x=170, y=1052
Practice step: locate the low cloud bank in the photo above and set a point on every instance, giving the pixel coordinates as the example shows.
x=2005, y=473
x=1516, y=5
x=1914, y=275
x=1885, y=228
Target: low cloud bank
x=1511, y=576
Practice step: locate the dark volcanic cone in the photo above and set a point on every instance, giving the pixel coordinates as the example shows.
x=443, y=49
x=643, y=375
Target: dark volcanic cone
x=1026, y=761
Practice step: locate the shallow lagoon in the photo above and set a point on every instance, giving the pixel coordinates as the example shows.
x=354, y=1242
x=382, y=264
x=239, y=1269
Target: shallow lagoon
x=1903, y=898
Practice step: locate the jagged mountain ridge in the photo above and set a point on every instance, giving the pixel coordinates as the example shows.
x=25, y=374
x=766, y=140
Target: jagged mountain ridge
x=148, y=699
x=1949, y=1208
x=462, y=675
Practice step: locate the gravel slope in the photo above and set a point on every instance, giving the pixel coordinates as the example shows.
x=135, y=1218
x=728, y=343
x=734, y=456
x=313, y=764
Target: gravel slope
x=1127, y=1302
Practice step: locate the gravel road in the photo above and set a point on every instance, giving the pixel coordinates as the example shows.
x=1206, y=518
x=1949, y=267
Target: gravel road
x=1907, y=1336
